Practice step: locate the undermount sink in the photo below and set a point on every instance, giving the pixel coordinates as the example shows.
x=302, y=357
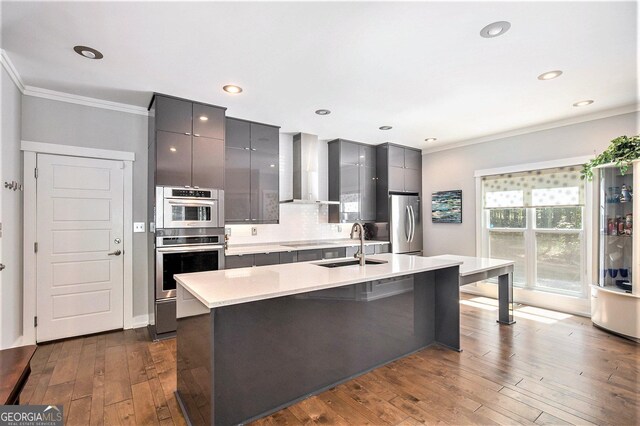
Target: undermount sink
x=350, y=262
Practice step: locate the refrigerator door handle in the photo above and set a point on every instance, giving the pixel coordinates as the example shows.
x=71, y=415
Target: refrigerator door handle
x=407, y=222
x=413, y=223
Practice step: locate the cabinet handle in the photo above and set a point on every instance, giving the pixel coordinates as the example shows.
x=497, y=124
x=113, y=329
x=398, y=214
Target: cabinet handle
x=188, y=134
x=196, y=135
x=253, y=149
x=246, y=148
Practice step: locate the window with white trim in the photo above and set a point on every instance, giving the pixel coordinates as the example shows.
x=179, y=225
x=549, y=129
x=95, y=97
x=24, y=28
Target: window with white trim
x=536, y=219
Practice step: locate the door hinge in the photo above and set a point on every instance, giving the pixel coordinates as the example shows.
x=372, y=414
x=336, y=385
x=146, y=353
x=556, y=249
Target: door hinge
x=35, y=321
x=35, y=173
x=35, y=247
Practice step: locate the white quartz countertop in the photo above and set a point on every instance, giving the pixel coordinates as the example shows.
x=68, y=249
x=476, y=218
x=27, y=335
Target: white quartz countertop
x=240, y=250
x=472, y=265
x=234, y=286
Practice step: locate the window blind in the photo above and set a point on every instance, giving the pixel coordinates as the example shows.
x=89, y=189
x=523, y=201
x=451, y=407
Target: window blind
x=555, y=187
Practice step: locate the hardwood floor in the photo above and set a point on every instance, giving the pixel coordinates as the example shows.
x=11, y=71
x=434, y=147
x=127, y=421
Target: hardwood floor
x=548, y=368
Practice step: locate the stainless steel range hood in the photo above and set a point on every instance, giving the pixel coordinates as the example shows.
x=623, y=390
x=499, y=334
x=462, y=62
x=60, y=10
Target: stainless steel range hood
x=309, y=171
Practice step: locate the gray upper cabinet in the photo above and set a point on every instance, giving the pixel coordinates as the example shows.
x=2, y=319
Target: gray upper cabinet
x=207, y=166
x=173, y=159
x=252, y=172
x=396, y=156
x=208, y=121
x=265, y=139
x=189, y=143
x=352, y=181
x=412, y=159
x=173, y=115
x=399, y=169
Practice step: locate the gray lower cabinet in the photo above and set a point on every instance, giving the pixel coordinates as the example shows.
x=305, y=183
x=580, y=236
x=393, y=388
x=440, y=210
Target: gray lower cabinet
x=308, y=255
x=263, y=259
x=241, y=261
x=252, y=176
x=288, y=256
x=382, y=248
x=368, y=249
x=352, y=181
x=334, y=253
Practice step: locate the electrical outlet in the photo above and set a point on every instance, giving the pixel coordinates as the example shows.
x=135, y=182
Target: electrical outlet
x=138, y=226
x=227, y=231
x=254, y=230
x=339, y=228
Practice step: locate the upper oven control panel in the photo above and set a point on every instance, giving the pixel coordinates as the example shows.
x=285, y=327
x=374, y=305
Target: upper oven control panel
x=191, y=193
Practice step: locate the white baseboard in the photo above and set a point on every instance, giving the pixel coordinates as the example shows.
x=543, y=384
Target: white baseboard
x=140, y=321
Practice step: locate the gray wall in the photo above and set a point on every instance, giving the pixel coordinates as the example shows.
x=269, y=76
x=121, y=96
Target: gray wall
x=454, y=169
x=11, y=204
x=50, y=121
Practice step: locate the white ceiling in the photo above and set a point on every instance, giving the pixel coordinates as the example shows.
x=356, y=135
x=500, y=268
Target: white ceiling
x=419, y=67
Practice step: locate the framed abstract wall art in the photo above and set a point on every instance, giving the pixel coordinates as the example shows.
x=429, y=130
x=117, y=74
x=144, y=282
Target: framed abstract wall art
x=446, y=206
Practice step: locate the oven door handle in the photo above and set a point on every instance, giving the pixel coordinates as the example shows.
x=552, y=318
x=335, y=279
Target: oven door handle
x=183, y=249
x=192, y=203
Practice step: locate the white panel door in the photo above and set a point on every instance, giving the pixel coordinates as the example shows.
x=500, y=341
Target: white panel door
x=80, y=245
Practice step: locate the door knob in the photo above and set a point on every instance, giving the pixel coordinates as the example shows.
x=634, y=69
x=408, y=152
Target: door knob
x=2, y=267
x=115, y=253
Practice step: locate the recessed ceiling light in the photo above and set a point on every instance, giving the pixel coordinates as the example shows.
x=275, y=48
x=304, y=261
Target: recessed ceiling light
x=385, y=127
x=88, y=52
x=203, y=118
x=232, y=88
x=495, y=29
x=431, y=139
x=323, y=112
x=550, y=75
x=173, y=149
x=583, y=103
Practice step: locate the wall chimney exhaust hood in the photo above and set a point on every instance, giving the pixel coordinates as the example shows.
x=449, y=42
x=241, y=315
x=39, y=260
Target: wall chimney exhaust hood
x=310, y=174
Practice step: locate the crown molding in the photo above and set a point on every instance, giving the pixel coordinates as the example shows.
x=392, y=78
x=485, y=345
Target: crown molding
x=11, y=70
x=537, y=128
x=83, y=100
x=40, y=92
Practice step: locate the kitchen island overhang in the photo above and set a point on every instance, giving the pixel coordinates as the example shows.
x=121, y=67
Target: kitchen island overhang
x=254, y=340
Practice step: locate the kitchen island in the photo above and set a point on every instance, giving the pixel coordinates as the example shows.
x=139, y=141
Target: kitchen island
x=251, y=341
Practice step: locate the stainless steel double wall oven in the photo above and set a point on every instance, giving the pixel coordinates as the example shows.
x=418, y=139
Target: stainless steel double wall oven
x=189, y=238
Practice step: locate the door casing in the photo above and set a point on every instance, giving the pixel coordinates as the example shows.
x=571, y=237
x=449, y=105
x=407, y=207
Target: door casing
x=31, y=149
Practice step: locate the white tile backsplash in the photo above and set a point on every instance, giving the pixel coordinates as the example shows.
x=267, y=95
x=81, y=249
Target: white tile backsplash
x=298, y=222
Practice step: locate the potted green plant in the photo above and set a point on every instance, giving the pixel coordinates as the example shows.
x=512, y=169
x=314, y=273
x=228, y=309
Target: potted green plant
x=621, y=152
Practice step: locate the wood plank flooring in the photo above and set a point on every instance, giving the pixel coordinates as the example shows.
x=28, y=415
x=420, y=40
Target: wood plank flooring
x=547, y=369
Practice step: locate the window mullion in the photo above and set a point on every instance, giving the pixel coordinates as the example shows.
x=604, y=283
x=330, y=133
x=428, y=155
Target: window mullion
x=530, y=249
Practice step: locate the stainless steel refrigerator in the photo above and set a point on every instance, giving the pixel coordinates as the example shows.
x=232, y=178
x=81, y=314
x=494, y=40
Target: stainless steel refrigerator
x=405, y=224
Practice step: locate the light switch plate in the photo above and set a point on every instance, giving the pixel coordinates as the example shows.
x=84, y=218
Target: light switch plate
x=138, y=226
x=227, y=231
x=254, y=230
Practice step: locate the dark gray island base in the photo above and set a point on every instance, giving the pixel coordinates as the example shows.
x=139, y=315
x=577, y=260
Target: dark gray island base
x=240, y=362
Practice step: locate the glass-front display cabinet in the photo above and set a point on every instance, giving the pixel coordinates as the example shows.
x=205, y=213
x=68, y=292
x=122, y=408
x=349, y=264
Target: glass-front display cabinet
x=615, y=296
